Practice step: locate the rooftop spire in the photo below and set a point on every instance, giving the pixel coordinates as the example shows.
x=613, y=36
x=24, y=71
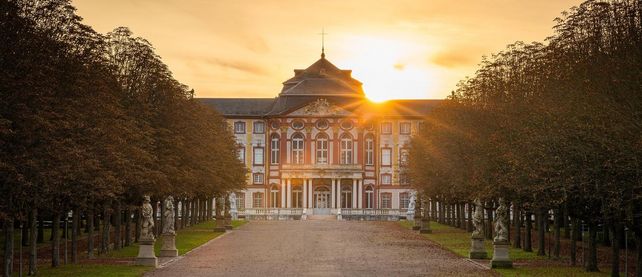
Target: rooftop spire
x=323, y=33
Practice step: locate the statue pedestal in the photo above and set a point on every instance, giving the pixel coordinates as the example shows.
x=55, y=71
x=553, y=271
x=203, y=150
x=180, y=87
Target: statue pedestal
x=234, y=214
x=168, y=249
x=339, y=217
x=228, y=223
x=500, y=255
x=219, y=224
x=410, y=215
x=304, y=214
x=417, y=220
x=425, y=226
x=477, y=249
x=146, y=254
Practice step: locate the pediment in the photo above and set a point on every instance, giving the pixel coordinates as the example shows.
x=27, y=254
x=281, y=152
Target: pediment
x=321, y=107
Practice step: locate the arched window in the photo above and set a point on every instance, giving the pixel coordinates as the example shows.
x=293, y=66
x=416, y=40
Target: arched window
x=369, y=197
x=369, y=145
x=297, y=148
x=346, y=149
x=346, y=197
x=274, y=196
x=274, y=149
x=322, y=148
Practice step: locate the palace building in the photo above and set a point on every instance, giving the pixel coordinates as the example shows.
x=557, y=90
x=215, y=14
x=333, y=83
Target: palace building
x=322, y=147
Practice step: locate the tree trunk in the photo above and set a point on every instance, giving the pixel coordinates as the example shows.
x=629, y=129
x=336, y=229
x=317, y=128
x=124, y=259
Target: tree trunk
x=75, y=221
x=104, y=242
x=24, y=235
x=517, y=222
x=55, y=243
x=154, y=211
x=615, y=248
x=128, y=226
x=41, y=230
x=575, y=234
x=528, y=237
x=193, y=213
x=8, y=247
x=557, y=232
x=138, y=224
x=90, y=234
x=118, y=226
x=541, y=233
x=489, y=225
x=565, y=223
x=33, y=242
x=176, y=221
x=638, y=258
x=591, y=257
x=606, y=234
x=469, y=218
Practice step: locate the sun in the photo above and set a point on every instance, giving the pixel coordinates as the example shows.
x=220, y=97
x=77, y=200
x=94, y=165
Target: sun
x=389, y=68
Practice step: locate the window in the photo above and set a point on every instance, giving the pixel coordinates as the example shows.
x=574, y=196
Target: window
x=386, y=128
x=241, y=154
x=258, y=178
x=346, y=149
x=298, y=125
x=403, y=178
x=297, y=197
x=386, y=155
x=369, y=198
x=346, y=197
x=386, y=179
x=420, y=126
x=369, y=150
x=403, y=156
x=404, y=128
x=240, y=201
x=322, y=124
x=257, y=200
x=275, y=143
x=347, y=124
x=239, y=127
x=258, y=155
x=386, y=200
x=297, y=148
x=322, y=149
x=404, y=200
x=259, y=127
x=274, y=196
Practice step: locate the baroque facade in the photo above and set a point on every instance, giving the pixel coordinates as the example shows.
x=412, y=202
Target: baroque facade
x=321, y=146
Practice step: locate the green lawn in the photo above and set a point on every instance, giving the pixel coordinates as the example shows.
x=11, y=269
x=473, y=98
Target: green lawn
x=458, y=241
x=94, y=270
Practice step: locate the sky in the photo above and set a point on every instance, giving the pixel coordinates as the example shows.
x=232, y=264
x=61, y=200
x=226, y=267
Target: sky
x=399, y=49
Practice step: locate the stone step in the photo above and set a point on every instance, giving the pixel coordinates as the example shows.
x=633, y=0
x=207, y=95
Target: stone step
x=322, y=217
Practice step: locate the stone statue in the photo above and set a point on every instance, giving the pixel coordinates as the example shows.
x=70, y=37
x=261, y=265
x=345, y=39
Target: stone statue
x=411, y=203
x=146, y=231
x=233, y=210
x=168, y=216
x=478, y=220
x=501, y=217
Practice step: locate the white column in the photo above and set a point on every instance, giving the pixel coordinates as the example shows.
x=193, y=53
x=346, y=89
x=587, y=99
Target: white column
x=310, y=193
x=289, y=193
x=283, y=182
x=305, y=193
x=354, y=193
x=333, y=196
x=360, y=195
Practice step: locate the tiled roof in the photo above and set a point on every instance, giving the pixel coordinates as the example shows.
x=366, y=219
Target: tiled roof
x=240, y=106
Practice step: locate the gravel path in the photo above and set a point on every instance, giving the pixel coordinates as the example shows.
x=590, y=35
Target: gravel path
x=320, y=248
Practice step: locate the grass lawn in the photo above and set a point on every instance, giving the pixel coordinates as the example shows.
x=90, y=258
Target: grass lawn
x=186, y=239
x=458, y=241
x=94, y=270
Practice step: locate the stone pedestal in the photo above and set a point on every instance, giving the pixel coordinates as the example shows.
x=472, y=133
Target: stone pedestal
x=146, y=254
x=410, y=215
x=477, y=249
x=168, y=249
x=500, y=255
x=339, y=217
x=228, y=222
x=219, y=224
x=234, y=214
x=425, y=226
x=304, y=214
x=417, y=220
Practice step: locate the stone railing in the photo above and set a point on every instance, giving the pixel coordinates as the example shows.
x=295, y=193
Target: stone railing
x=394, y=212
x=271, y=213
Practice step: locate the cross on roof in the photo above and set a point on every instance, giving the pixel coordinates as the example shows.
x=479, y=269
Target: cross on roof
x=323, y=33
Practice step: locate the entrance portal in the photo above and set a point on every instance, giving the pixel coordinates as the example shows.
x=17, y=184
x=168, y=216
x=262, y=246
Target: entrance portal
x=322, y=201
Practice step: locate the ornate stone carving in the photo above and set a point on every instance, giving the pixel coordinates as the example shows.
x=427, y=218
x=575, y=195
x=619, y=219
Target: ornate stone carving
x=147, y=221
x=501, y=218
x=168, y=216
x=478, y=220
x=319, y=107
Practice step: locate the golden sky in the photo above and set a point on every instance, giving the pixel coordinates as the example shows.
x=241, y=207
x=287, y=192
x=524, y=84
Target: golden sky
x=398, y=49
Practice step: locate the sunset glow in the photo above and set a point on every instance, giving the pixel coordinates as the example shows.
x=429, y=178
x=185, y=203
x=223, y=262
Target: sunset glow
x=398, y=49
